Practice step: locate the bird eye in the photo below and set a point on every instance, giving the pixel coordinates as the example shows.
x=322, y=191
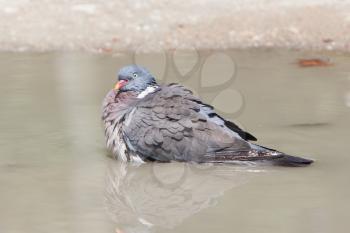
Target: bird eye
x=135, y=75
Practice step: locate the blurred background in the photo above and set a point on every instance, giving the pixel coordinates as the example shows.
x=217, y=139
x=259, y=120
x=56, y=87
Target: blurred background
x=152, y=25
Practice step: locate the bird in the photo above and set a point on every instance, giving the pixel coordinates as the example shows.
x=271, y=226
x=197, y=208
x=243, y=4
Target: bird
x=148, y=122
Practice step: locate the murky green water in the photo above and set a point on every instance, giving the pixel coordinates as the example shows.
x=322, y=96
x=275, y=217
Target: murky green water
x=55, y=175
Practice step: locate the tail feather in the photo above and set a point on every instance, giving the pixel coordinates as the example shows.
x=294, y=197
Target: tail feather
x=292, y=161
x=257, y=154
x=283, y=159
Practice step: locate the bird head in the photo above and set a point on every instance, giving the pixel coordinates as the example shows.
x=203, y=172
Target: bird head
x=134, y=78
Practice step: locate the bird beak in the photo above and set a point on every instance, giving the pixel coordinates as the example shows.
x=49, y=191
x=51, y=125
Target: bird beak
x=120, y=84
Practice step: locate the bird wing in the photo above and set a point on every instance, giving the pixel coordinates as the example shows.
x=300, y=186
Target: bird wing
x=209, y=111
x=172, y=124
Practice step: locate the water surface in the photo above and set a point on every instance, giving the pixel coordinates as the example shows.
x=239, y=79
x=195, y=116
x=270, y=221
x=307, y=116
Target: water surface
x=55, y=175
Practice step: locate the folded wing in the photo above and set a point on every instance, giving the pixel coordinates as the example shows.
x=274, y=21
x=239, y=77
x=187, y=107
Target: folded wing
x=172, y=124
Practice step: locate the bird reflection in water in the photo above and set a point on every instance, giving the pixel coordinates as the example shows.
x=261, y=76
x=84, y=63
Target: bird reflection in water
x=143, y=198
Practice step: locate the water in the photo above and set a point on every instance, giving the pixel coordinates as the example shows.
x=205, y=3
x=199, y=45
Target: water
x=55, y=175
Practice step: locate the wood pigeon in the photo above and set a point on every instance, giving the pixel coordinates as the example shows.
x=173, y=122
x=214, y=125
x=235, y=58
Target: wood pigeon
x=145, y=122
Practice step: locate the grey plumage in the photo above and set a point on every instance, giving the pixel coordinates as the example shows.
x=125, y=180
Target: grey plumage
x=169, y=123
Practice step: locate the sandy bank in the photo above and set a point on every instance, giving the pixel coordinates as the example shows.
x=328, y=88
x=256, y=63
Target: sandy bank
x=151, y=25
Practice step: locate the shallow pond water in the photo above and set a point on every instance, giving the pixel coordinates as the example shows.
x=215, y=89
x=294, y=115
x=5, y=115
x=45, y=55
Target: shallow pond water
x=55, y=175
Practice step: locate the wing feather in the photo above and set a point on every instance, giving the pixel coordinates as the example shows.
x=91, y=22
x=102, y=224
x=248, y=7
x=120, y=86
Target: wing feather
x=169, y=125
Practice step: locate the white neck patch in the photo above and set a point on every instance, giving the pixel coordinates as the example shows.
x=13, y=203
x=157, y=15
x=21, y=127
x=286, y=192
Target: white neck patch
x=147, y=91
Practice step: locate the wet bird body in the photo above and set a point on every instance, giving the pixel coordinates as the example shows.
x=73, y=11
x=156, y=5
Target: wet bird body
x=149, y=122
